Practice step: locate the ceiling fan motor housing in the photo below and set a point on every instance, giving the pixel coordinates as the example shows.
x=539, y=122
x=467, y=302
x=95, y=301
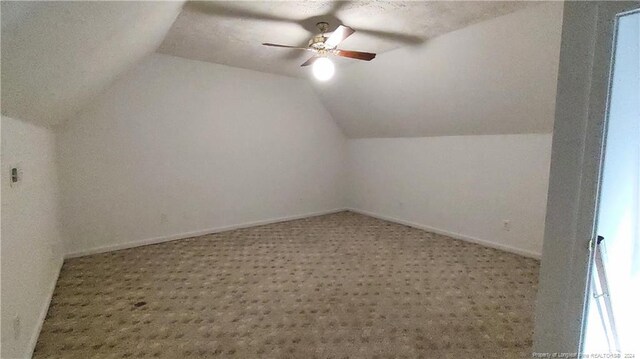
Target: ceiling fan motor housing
x=317, y=42
x=324, y=44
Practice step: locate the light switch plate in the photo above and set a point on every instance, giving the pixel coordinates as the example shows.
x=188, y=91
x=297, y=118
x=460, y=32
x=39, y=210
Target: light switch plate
x=18, y=167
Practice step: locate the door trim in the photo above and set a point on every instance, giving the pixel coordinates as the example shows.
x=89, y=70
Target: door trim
x=576, y=156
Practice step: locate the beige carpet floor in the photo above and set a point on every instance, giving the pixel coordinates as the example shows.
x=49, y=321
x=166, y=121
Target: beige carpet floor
x=337, y=286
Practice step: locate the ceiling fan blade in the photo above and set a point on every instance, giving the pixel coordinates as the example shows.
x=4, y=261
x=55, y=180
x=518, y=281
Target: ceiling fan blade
x=337, y=6
x=359, y=55
x=341, y=33
x=285, y=46
x=224, y=10
x=310, y=61
x=394, y=36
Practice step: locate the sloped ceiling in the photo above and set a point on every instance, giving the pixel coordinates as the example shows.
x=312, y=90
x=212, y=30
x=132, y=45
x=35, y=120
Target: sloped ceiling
x=57, y=55
x=494, y=77
x=231, y=32
x=495, y=74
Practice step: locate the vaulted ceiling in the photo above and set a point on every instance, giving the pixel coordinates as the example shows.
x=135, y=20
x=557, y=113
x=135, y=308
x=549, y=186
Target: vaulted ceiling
x=231, y=32
x=444, y=68
x=494, y=77
x=57, y=55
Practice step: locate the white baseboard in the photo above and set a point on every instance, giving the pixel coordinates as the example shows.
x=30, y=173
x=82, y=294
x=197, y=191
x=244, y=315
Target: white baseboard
x=43, y=312
x=483, y=242
x=178, y=236
x=144, y=242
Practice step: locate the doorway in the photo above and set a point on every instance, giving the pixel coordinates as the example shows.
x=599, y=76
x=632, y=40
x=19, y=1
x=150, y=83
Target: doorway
x=593, y=186
x=612, y=314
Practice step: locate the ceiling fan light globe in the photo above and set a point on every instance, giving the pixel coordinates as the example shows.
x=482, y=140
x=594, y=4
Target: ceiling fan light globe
x=323, y=69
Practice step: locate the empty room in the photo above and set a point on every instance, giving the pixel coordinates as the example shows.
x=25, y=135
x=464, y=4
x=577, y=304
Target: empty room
x=320, y=179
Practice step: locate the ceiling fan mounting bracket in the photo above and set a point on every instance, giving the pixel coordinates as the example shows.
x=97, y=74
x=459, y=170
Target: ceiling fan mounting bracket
x=323, y=27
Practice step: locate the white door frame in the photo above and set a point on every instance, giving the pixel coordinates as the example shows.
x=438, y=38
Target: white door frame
x=581, y=106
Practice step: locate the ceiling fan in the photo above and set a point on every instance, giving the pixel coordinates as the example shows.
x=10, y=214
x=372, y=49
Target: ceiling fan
x=324, y=45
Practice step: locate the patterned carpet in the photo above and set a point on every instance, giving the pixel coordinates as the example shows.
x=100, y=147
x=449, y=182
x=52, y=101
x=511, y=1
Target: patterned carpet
x=337, y=286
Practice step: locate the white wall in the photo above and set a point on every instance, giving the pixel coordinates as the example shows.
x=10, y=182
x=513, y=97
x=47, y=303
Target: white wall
x=454, y=135
x=177, y=146
x=31, y=250
x=464, y=186
x=494, y=77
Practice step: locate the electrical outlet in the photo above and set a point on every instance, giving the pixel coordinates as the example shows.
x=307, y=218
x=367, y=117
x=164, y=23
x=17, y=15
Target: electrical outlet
x=163, y=218
x=506, y=225
x=17, y=327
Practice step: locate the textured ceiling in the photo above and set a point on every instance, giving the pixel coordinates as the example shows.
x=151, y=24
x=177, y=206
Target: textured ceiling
x=494, y=77
x=57, y=55
x=231, y=32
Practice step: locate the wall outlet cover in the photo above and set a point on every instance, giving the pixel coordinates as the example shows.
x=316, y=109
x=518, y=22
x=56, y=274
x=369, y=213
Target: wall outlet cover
x=15, y=172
